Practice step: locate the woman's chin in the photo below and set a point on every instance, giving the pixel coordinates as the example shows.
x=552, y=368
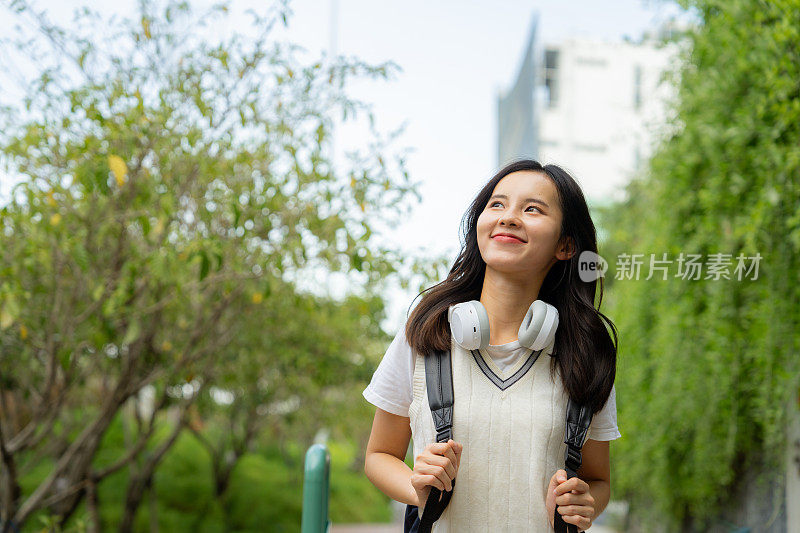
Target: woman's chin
x=508, y=265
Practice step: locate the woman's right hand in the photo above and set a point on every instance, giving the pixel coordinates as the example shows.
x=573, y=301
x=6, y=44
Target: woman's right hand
x=436, y=466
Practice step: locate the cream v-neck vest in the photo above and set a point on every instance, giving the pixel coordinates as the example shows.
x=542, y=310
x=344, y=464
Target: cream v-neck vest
x=511, y=425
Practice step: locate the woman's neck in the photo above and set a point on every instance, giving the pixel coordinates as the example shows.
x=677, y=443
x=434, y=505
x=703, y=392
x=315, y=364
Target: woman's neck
x=506, y=300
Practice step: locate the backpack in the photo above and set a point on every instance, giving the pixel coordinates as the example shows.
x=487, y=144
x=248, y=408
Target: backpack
x=440, y=399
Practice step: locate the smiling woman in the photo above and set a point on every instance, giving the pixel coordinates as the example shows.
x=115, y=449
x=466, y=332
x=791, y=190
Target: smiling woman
x=519, y=213
x=517, y=272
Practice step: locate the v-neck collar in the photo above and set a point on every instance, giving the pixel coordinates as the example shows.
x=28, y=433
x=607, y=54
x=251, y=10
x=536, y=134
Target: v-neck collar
x=504, y=380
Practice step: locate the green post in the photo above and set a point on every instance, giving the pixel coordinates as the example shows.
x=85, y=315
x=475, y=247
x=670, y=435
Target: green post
x=316, y=490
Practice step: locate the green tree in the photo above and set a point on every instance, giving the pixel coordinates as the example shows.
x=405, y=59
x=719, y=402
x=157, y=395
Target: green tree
x=707, y=366
x=308, y=377
x=172, y=190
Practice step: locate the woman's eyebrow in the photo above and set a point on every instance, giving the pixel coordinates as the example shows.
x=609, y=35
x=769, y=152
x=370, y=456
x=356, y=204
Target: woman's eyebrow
x=535, y=200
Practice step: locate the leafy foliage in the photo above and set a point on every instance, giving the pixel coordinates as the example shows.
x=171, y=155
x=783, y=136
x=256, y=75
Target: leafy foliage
x=176, y=198
x=708, y=367
x=265, y=493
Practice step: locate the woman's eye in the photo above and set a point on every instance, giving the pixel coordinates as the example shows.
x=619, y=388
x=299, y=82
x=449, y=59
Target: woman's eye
x=529, y=207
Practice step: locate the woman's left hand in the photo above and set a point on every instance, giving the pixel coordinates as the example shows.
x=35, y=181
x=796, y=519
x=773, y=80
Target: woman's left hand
x=575, y=502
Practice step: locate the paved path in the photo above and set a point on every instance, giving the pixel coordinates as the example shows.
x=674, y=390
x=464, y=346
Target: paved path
x=366, y=528
x=399, y=512
x=398, y=528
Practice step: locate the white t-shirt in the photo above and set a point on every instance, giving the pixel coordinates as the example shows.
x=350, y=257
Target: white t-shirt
x=391, y=384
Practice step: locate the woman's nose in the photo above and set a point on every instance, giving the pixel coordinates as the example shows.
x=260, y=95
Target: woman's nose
x=508, y=219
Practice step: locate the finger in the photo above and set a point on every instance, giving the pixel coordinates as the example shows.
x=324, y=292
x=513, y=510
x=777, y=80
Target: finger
x=563, y=485
x=429, y=475
x=432, y=480
x=582, y=522
x=450, y=452
x=442, y=461
x=572, y=499
x=451, y=455
x=440, y=474
x=456, y=448
x=417, y=479
x=580, y=510
x=584, y=499
x=437, y=448
x=551, y=488
x=578, y=485
x=573, y=483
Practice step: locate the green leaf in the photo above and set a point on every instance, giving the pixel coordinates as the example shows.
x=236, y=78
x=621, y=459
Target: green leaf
x=97, y=292
x=134, y=329
x=204, y=265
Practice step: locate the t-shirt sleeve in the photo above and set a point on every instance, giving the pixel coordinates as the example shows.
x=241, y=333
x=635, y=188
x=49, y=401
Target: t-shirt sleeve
x=604, y=422
x=391, y=384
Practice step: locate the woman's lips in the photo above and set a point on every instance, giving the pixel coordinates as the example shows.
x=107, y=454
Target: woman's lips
x=506, y=238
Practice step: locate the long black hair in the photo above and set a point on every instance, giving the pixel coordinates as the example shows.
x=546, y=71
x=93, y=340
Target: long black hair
x=584, y=350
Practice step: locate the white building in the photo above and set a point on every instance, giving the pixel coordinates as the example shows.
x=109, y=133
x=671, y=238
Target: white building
x=601, y=109
x=598, y=109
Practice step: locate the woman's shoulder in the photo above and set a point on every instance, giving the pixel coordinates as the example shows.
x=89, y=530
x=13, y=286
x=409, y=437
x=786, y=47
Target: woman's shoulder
x=391, y=384
x=399, y=353
x=604, y=422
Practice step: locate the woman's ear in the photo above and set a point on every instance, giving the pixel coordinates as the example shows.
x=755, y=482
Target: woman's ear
x=566, y=248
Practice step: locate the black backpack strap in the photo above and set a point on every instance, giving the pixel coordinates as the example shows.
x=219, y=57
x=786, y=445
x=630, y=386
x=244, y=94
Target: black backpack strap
x=439, y=381
x=579, y=417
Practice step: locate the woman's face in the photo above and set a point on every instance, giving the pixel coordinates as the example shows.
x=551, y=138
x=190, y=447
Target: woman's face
x=525, y=205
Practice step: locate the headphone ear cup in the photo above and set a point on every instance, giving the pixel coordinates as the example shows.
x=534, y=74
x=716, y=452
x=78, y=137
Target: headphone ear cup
x=483, y=324
x=469, y=325
x=538, y=328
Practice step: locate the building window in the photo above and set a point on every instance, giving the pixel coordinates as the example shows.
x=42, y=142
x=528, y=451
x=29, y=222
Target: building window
x=591, y=61
x=551, y=76
x=585, y=147
x=637, y=87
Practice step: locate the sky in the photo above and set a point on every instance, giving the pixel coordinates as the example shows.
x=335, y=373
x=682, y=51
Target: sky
x=455, y=56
